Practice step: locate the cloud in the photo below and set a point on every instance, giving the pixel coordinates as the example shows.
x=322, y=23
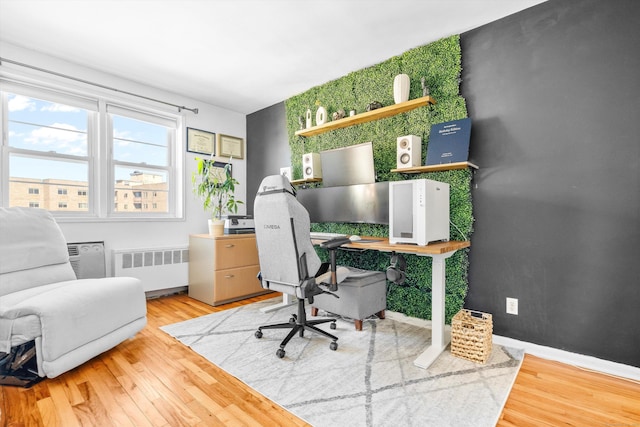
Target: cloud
x=60, y=137
x=20, y=103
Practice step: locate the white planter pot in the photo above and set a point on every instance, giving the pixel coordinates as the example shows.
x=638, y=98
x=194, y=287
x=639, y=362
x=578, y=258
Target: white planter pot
x=216, y=227
x=401, y=88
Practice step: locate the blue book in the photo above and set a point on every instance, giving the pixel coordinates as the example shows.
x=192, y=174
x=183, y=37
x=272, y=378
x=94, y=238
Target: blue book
x=449, y=142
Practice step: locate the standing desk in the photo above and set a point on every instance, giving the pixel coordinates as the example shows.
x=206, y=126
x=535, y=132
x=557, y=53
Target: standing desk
x=439, y=252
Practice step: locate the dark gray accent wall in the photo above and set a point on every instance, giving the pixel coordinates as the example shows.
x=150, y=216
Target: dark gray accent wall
x=553, y=92
x=267, y=147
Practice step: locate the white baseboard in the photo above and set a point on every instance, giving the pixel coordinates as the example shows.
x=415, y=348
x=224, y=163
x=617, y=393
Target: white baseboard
x=575, y=359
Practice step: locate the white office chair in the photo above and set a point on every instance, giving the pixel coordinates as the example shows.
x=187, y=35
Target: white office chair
x=288, y=260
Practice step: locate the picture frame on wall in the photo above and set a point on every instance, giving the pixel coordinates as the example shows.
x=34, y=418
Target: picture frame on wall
x=201, y=142
x=230, y=146
x=217, y=171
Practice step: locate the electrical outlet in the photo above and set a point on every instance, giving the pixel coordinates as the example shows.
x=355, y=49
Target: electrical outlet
x=512, y=306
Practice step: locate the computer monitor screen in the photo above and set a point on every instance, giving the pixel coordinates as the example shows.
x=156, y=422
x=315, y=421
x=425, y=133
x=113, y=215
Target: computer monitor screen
x=362, y=203
x=348, y=165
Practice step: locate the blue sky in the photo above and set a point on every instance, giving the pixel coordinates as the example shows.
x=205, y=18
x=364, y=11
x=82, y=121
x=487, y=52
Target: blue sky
x=52, y=127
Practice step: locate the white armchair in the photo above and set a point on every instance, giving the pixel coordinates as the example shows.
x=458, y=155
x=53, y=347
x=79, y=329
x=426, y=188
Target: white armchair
x=69, y=321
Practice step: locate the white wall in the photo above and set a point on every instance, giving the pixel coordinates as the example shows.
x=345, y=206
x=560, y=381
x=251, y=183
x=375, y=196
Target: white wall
x=148, y=234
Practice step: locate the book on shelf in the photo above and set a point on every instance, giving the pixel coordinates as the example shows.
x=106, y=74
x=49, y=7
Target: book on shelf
x=449, y=142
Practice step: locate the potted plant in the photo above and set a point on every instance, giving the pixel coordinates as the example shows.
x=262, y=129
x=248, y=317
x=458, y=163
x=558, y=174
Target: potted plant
x=215, y=186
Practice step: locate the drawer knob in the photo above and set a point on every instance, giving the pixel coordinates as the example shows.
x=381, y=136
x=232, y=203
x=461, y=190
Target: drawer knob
x=229, y=246
x=229, y=276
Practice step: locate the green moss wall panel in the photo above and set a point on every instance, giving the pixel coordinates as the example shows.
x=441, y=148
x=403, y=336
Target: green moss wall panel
x=439, y=63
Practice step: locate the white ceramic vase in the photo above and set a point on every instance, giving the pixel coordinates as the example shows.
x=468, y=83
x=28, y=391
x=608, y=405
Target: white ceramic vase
x=321, y=116
x=308, y=118
x=401, y=88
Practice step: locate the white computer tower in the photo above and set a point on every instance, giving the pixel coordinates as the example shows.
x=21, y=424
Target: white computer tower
x=418, y=211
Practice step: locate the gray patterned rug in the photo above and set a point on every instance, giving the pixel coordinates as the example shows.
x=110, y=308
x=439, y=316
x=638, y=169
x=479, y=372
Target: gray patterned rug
x=369, y=381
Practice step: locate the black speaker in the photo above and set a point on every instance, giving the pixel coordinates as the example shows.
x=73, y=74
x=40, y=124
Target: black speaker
x=396, y=270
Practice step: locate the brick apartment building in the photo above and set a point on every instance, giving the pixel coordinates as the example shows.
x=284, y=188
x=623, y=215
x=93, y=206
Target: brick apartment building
x=142, y=193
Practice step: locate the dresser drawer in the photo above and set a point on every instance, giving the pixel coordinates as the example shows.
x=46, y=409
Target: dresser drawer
x=232, y=253
x=237, y=282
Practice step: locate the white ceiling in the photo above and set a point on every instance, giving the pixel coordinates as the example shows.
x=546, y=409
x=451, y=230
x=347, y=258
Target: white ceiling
x=243, y=55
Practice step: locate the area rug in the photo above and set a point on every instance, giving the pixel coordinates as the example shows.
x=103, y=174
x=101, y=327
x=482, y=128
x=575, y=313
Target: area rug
x=369, y=381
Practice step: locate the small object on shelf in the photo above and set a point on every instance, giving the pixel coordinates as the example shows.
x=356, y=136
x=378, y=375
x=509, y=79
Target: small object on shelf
x=471, y=335
x=401, y=85
x=309, y=123
x=321, y=116
x=338, y=115
x=301, y=122
x=374, y=106
x=352, y=113
x=425, y=88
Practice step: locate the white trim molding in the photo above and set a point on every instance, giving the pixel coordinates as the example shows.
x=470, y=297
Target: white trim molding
x=575, y=359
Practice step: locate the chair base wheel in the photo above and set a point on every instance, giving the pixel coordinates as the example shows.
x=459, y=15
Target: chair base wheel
x=332, y=325
x=280, y=353
x=333, y=346
x=258, y=334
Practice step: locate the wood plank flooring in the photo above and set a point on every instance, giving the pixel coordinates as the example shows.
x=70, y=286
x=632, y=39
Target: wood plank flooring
x=153, y=380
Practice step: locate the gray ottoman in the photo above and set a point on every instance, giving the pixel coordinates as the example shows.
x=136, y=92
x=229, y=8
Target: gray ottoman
x=362, y=294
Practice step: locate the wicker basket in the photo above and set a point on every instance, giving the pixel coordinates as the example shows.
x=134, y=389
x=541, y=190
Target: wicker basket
x=471, y=335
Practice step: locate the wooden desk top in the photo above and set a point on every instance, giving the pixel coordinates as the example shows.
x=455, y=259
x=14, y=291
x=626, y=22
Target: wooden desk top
x=382, y=244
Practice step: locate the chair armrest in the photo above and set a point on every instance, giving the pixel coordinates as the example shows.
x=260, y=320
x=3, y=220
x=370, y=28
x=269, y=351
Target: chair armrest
x=335, y=243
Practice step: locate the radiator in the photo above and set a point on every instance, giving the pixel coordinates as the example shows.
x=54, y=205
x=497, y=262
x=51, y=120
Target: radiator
x=157, y=268
x=87, y=259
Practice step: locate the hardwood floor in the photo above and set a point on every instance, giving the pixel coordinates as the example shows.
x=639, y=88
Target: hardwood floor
x=153, y=380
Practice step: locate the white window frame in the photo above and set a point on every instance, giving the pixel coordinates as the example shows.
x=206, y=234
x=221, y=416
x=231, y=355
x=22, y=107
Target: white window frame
x=100, y=162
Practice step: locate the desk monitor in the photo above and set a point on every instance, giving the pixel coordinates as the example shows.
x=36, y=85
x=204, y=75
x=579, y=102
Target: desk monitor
x=364, y=203
x=348, y=165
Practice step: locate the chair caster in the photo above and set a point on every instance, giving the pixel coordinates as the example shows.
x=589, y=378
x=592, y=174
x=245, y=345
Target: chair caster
x=332, y=325
x=280, y=353
x=333, y=346
x=258, y=334
x=293, y=318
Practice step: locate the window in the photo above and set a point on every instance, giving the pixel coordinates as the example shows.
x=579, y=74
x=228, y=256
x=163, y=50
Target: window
x=34, y=204
x=47, y=145
x=141, y=145
x=78, y=155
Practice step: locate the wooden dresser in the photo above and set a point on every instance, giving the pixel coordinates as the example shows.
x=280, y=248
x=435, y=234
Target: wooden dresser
x=223, y=268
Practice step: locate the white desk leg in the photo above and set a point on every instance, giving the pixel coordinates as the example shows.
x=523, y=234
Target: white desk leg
x=287, y=300
x=439, y=340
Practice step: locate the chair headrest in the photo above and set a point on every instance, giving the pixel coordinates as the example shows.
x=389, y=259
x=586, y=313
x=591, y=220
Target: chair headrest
x=275, y=184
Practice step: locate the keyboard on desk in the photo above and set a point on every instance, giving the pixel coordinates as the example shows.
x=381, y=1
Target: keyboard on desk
x=325, y=236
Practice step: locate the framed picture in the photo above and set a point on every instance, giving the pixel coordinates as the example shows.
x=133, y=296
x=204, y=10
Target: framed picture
x=217, y=171
x=230, y=146
x=201, y=141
